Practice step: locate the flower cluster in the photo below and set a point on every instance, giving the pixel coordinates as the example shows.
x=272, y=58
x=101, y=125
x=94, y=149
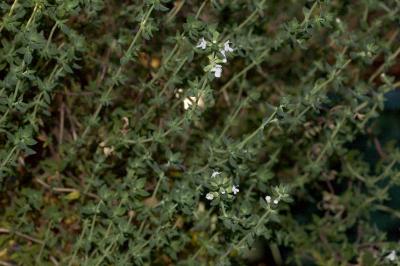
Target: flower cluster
x=218, y=55
x=221, y=187
x=191, y=100
x=268, y=199
x=278, y=194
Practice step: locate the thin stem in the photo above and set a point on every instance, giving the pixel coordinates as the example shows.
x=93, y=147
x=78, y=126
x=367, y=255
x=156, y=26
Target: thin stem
x=331, y=138
x=92, y=228
x=157, y=186
x=175, y=11
x=316, y=89
x=32, y=15
x=244, y=23
x=388, y=61
x=10, y=154
x=78, y=243
x=232, y=117
x=56, y=69
x=241, y=145
x=9, y=13
x=107, y=235
x=223, y=208
x=307, y=17
x=201, y=9
x=38, y=258
x=100, y=106
x=245, y=70
x=387, y=209
x=19, y=82
x=161, y=71
x=202, y=247
x=27, y=237
x=51, y=35
x=240, y=243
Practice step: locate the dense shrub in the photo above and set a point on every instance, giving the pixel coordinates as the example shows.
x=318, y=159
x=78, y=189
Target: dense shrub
x=195, y=132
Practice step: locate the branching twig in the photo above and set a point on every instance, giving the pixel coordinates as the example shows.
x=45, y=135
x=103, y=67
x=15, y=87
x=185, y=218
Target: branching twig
x=27, y=237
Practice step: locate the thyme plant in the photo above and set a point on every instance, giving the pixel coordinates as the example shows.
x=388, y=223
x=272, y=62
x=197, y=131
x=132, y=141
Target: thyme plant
x=160, y=132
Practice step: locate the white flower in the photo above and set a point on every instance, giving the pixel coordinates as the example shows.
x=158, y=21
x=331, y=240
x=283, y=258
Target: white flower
x=210, y=196
x=178, y=93
x=217, y=69
x=392, y=256
x=227, y=48
x=222, y=191
x=108, y=151
x=223, y=53
x=189, y=101
x=235, y=189
x=202, y=44
x=215, y=173
x=276, y=201
x=268, y=199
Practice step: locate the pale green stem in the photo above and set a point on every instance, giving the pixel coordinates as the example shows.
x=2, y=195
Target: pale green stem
x=248, y=138
x=240, y=243
x=10, y=154
x=100, y=106
x=9, y=13
x=78, y=243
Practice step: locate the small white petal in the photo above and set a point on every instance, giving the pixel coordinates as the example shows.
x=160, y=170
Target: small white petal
x=227, y=48
x=224, y=55
x=276, y=201
x=223, y=191
x=209, y=196
x=202, y=44
x=392, y=256
x=235, y=190
x=217, y=69
x=268, y=199
x=108, y=151
x=200, y=102
x=215, y=173
x=187, y=102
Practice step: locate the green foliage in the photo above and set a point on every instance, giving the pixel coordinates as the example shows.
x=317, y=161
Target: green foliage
x=126, y=140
